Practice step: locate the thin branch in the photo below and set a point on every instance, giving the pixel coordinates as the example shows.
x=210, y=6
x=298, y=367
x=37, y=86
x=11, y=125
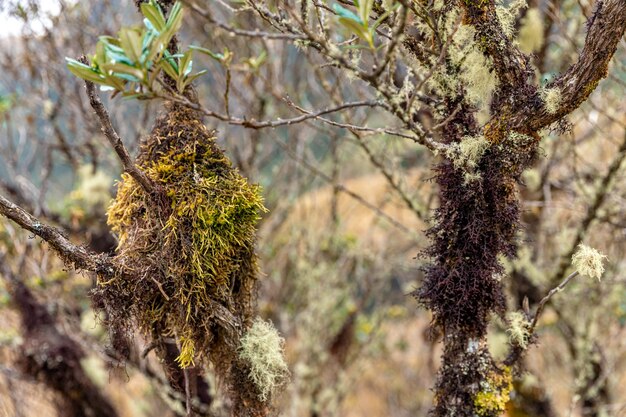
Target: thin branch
x=349, y=192
x=547, y=298
x=253, y=124
x=605, y=30
x=422, y=139
x=240, y=32
x=516, y=351
x=80, y=257
x=602, y=193
x=114, y=139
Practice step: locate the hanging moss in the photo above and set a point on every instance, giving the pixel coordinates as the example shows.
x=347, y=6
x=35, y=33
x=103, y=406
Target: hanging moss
x=189, y=251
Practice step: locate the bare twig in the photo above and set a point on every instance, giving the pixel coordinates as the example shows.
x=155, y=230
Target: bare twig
x=592, y=212
x=80, y=257
x=516, y=351
x=114, y=139
x=547, y=298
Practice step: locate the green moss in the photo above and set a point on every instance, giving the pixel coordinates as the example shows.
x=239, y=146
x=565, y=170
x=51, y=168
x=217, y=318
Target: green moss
x=190, y=251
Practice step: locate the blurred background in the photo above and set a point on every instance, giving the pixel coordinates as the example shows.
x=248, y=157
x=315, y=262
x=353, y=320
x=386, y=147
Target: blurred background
x=339, y=247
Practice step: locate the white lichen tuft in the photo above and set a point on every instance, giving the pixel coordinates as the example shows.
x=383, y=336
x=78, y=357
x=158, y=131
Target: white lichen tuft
x=519, y=329
x=530, y=36
x=552, y=99
x=471, y=177
x=532, y=179
x=93, y=191
x=468, y=152
x=479, y=81
x=262, y=350
x=588, y=261
x=507, y=15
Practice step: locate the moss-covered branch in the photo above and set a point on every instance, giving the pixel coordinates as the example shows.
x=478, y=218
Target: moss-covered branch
x=605, y=29
x=70, y=253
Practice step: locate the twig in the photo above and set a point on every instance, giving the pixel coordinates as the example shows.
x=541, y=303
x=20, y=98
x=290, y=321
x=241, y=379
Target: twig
x=114, y=139
x=187, y=393
x=592, y=212
x=422, y=139
x=80, y=257
x=349, y=192
x=547, y=298
x=517, y=351
x=253, y=124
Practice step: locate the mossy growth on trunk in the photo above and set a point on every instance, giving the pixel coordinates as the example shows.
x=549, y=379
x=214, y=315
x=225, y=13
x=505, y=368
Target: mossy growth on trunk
x=188, y=251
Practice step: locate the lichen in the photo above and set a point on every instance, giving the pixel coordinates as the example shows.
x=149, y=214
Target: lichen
x=588, y=261
x=552, y=99
x=532, y=179
x=530, y=36
x=261, y=349
x=519, y=329
x=495, y=391
x=468, y=152
x=507, y=15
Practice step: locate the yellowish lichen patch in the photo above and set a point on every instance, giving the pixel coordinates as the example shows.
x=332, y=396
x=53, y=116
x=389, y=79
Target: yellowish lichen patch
x=495, y=393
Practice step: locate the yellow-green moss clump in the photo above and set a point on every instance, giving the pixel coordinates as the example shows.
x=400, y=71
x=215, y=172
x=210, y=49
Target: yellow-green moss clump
x=189, y=249
x=491, y=400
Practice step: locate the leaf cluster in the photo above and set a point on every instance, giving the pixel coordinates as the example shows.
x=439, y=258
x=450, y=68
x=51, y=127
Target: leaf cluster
x=134, y=63
x=358, y=23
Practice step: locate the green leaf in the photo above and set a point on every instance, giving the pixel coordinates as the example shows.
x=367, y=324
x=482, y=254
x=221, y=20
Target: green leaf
x=176, y=16
x=116, y=54
x=355, y=28
x=118, y=70
x=216, y=56
x=185, y=63
x=154, y=16
x=147, y=43
x=84, y=71
x=166, y=66
x=365, y=8
x=131, y=44
x=191, y=78
x=156, y=48
x=115, y=82
x=347, y=14
x=100, y=57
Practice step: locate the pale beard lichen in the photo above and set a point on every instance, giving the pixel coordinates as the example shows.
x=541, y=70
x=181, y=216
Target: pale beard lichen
x=93, y=192
x=552, y=99
x=532, y=179
x=507, y=15
x=261, y=349
x=588, y=261
x=530, y=36
x=519, y=329
x=472, y=69
x=468, y=152
x=477, y=77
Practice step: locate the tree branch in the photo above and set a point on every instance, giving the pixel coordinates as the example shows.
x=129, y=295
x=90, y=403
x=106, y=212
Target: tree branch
x=114, y=139
x=517, y=351
x=605, y=29
x=78, y=256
